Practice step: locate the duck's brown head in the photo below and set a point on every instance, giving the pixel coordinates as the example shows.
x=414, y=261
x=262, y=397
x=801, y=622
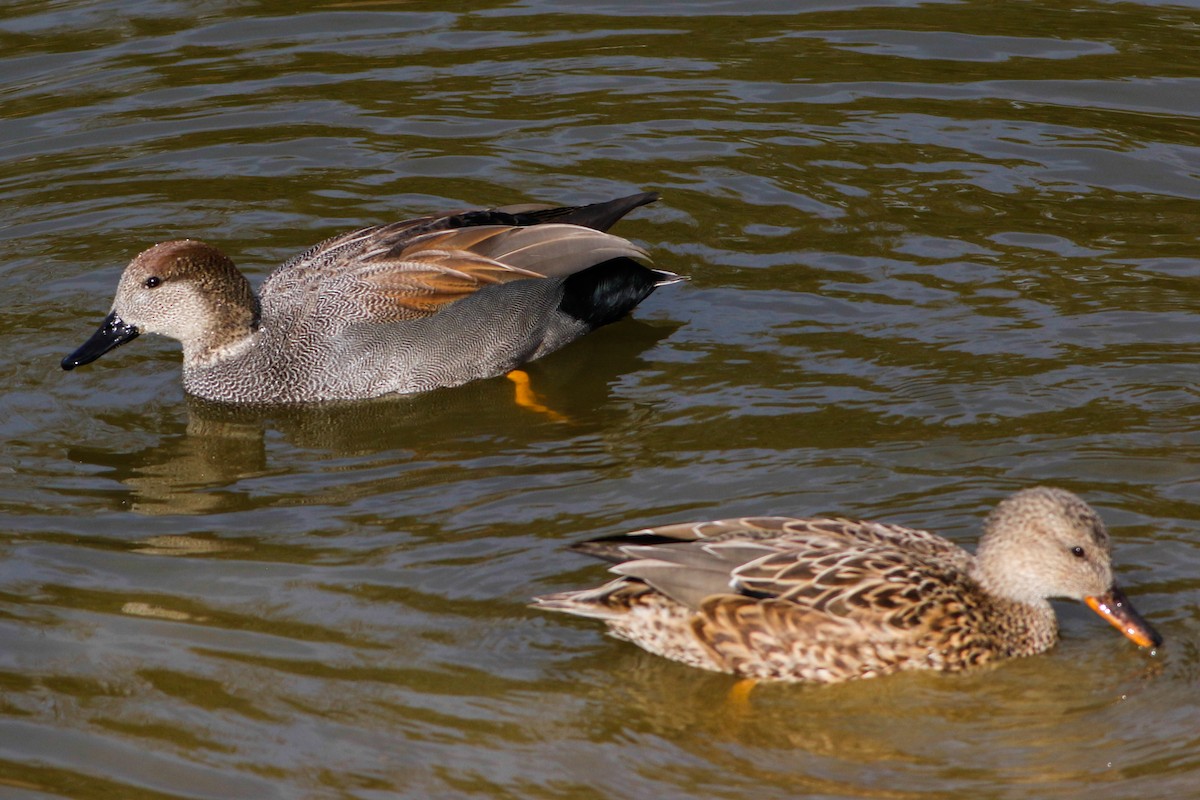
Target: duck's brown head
x=184, y=289
x=1045, y=542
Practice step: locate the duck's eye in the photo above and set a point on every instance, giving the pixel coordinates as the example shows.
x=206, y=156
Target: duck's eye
x=152, y=281
x=1077, y=551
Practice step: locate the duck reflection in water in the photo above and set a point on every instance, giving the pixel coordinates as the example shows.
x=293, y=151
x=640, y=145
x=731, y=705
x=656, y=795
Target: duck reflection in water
x=199, y=458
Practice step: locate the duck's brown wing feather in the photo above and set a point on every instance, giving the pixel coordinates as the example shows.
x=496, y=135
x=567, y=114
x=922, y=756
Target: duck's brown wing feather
x=782, y=533
x=824, y=613
x=779, y=597
x=833, y=567
x=551, y=250
x=777, y=639
x=349, y=249
x=387, y=273
x=855, y=634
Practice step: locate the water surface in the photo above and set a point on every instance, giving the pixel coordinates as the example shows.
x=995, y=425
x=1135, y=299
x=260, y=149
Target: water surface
x=939, y=252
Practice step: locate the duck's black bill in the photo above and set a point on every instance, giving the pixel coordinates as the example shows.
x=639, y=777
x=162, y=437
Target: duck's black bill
x=1115, y=607
x=113, y=332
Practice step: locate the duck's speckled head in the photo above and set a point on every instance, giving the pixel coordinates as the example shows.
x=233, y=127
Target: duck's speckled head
x=184, y=289
x=1044, y=542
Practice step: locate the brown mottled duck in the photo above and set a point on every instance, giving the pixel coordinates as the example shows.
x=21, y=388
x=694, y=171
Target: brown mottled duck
x=829, y=600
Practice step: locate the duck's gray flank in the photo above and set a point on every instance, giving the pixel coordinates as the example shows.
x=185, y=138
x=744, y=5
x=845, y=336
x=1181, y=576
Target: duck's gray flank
x=827, y=600
x=399, y=308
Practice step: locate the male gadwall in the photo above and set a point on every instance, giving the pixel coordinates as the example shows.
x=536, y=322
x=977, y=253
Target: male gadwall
x=828, y=600
x=400, y=308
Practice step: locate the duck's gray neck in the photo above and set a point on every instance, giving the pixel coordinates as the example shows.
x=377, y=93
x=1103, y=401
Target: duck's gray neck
x=233, y=372
x=211, y=350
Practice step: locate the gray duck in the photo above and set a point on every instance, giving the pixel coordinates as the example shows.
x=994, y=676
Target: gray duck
x=391, y=309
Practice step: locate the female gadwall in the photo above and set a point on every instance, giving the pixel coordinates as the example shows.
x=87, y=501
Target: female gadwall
x=828, y=600
x=399, y=308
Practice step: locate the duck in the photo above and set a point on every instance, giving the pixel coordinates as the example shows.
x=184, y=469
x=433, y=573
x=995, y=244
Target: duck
x=827, y=600
x=400, y=308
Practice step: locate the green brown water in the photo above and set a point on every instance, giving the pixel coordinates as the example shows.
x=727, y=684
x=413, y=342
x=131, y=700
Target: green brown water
x=939, y=252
